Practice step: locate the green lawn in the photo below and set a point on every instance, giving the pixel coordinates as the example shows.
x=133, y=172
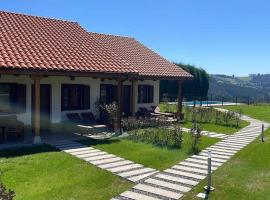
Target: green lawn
x=218, y=128
x=43, y=173
x=148, y=154
x=246, y=176
x=261, y=112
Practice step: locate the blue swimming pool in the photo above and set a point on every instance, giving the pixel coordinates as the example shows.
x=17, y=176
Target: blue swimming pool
x=191, y=103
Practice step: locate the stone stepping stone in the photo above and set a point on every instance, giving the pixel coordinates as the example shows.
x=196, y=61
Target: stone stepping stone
x=190, y=169
x=255, y=132
x=232, y=146
x=235, y=141
x=158, y=191
x=218, y=152
x=78, y=149
x=125, y=168
x=203, y=162
x=196, y=165
x=185, y=174
x=141, y=176
x=206, y=158
x=137, y=196
x=88, y=155
x=115, y=164
x=245, y=137
x=100, y=157
x=136, y=172
x=216, y=155
x=105, y=161
x=177, y=179
x=227, y=147
x=77, y=153
x=239, y=141
x=168, y=185
x=231, y=152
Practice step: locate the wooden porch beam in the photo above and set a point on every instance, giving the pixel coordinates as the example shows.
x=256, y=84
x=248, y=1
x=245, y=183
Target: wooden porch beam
x=133, y=97
x=180, y=101
x=120, y=105
x=37, y=138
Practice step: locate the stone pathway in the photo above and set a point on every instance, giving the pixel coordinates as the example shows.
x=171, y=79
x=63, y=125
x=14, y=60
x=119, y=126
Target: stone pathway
x=209, y=134
x=126, y=169
x=174, y=182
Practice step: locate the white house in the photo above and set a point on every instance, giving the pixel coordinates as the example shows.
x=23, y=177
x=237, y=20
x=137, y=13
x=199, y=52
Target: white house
x=51, y=67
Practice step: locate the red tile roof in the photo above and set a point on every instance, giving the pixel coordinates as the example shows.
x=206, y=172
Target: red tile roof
x=29, y=42
x=38, y=43
x=141, y=58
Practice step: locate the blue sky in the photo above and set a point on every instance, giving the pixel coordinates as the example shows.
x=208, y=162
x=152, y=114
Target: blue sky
x=224, y=36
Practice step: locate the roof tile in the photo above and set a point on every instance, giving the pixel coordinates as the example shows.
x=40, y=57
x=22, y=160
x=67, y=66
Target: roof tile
x=141, y=58
x=29, y=42
x=47, y=43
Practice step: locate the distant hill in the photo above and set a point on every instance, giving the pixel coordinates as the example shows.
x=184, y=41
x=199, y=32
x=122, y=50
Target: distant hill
x=256, y=87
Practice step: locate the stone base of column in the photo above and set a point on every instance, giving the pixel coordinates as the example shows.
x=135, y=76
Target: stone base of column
x=37, y=139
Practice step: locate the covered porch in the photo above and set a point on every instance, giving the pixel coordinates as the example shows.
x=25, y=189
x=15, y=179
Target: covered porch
x=42, y=101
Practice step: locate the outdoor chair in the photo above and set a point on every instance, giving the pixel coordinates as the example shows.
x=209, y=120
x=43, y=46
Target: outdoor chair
x=86, y=124
x=12, y=130
x=158, y=113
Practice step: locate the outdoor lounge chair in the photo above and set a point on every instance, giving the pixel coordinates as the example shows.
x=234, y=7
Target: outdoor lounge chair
x=86, y=125
x=158, y=113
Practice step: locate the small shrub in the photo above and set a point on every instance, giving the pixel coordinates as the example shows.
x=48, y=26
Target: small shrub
x=196, y=136
x=210, y=115
x=132, y=123
x=166, y=137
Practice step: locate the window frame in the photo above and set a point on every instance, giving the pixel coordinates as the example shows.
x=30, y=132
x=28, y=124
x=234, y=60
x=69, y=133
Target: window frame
x=111, y=93
x=145, y=93
x=17, y=98
x=83, y=100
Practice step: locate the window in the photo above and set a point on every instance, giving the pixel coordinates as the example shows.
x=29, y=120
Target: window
x=108, y=93
x=75, y=97
x=145, y=94
x=12, y=98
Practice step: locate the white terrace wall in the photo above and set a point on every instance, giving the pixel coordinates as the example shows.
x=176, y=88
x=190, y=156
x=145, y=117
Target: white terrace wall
x=55, y=81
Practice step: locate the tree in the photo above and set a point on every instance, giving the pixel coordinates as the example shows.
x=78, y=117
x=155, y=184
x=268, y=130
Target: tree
x=194, y=89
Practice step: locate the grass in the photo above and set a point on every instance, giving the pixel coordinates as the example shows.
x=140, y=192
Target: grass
x=218, y=128
x=211, y=127
x=245, y=177
x=260, y=112
x=147, y=154
x=43, y=173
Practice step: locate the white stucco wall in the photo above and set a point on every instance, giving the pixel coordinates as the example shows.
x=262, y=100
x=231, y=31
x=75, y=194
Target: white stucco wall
x=55, y=81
